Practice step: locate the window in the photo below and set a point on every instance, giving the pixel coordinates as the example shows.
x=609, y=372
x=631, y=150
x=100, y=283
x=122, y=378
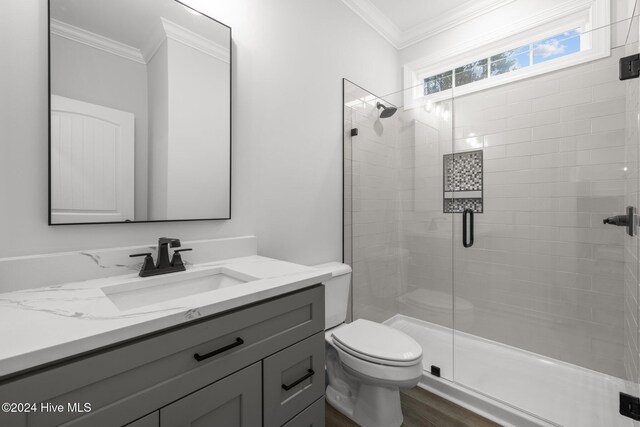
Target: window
x=511, y=60
x=471, y=72
x=547, y=49
x=438, y=83
x=570, y=34
x=556, y=47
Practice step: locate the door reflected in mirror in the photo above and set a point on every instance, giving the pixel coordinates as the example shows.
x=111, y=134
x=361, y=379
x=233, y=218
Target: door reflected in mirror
x=140, y=112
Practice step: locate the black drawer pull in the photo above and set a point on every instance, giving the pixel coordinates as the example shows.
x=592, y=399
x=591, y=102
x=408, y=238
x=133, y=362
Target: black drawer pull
x=200, y=358
x=309, y=374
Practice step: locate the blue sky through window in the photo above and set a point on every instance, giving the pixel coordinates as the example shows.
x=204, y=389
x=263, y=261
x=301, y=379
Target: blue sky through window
x=556, y=46
x=547, y=49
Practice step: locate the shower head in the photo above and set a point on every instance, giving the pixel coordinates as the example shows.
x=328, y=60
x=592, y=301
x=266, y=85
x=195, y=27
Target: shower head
x=386, y=111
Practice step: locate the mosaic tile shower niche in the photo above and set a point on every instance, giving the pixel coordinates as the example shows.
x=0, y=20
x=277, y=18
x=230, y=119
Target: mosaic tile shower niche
x=463, y=182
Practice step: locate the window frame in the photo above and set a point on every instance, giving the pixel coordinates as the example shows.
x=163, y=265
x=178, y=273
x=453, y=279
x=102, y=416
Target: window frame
x=592, y=18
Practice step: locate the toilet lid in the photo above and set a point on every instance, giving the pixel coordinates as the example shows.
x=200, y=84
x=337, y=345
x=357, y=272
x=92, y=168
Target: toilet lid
x=378, y=343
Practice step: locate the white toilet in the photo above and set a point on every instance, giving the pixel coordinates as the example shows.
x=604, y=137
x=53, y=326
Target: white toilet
x=367, y=363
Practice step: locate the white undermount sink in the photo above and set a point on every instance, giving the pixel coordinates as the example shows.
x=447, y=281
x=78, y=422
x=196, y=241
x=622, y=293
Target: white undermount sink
x=140, y=292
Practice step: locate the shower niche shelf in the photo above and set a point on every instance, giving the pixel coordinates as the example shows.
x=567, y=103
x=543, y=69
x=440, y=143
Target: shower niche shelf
x=463, y=182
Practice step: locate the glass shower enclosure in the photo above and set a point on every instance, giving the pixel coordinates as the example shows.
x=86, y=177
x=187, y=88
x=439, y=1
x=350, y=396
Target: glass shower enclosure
x=474, y=221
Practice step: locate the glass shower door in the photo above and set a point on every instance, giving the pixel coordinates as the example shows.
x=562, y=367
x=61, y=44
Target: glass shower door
x=425, y=307
x=397, y=237
x=631, y=263
x=546, y=294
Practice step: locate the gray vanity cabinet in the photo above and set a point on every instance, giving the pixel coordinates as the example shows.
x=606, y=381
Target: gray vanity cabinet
x=151, y=420
x=235, y=401
x=210, y=368
x=293, y=379
x=313, y=416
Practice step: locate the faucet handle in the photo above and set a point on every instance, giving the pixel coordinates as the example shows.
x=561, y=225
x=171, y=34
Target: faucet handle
x=176, y=259
x=147, y=264
x=173, y=243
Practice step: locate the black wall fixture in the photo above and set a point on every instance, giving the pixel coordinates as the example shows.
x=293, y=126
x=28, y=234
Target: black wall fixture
x=629, y=67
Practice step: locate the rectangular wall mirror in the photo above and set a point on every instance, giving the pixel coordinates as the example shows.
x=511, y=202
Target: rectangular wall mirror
x=140, y=112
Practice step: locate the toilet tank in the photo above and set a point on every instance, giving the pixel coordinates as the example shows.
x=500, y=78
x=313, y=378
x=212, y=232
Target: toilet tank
x=336, y=293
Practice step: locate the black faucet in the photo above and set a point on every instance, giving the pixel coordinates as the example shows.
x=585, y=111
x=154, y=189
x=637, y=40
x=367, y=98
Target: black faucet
x=163, y=251
x=163, y=266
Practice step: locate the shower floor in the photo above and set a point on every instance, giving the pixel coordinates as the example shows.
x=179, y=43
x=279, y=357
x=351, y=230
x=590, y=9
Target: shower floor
x=554, y=392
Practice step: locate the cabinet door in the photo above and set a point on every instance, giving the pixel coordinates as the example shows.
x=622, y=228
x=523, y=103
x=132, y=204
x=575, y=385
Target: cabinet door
x=235, y=401
x=151, y=420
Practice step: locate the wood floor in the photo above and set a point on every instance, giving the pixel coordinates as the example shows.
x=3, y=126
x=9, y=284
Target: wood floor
x=421, y=409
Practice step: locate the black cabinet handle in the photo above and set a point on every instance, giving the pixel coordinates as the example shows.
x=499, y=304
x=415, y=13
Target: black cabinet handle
x=467, y=243
x=200, y=358
x=309, y=374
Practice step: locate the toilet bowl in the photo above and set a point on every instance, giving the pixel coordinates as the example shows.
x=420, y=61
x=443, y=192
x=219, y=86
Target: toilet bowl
x=367, y=363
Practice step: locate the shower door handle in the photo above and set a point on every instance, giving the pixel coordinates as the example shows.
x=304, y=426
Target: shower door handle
x=627, y=220
x=467, y=243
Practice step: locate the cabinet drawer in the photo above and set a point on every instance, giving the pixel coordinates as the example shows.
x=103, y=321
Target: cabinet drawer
x=293, y=379
x=128, y=381
x=232, y=401
x=313, y=416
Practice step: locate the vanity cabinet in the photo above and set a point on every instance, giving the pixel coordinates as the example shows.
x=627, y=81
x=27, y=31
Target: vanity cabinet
x=291, y=380
x=235, y=401
x=261, y=364
x=151, y=420
x=313, y=416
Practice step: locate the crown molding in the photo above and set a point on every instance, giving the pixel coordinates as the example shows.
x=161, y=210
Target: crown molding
x=154, y=41
x=376, y=19
x=187, y=37
x=169, y=30
x=438, y=24
x=97, y=41
x=451, y=19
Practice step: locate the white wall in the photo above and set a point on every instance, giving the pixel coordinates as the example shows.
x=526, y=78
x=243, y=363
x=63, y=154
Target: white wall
x=289, y=58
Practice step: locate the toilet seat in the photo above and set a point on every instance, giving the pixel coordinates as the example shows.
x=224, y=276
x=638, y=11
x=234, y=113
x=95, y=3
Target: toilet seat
x=377, y=343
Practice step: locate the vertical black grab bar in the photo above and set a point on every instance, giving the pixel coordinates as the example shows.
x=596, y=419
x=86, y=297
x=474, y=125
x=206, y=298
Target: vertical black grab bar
x=467, y=243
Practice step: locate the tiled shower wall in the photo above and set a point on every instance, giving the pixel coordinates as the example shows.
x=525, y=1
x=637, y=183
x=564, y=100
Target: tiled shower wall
x=374, y=223
x=545, y=274
x=426, y=232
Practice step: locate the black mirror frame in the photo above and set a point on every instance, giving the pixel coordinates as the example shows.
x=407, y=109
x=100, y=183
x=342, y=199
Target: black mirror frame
x=230, y=128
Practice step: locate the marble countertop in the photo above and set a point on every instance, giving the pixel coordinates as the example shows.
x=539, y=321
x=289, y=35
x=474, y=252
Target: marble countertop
x=46, y=324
